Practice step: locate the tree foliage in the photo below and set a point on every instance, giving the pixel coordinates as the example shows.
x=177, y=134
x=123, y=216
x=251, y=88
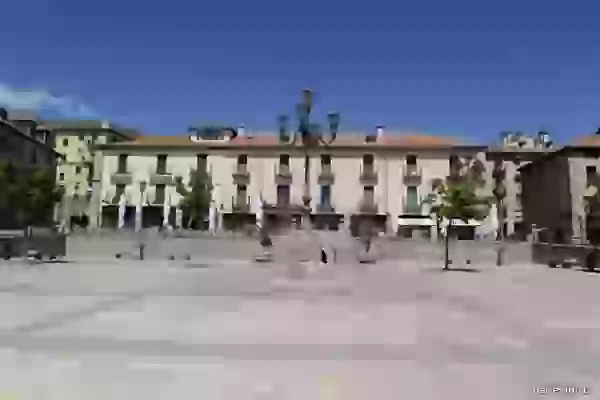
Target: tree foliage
x=461, y=196
x=31, y=193
x=196, y=200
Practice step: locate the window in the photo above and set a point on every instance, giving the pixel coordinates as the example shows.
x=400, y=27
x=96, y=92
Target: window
x=201, y=162
x=453, y=160
x=65, y=142
x=78, y=170
x=412, y=200
x=242, y=159
x=325, y=159
x=61, y=176
x=122, y=168
x=283, y=195
x=411, y=159
x=368, y=159
x=161, y=164
x=81, y=137
x=241, y=190
x=159, y=194
x=284, y=159
x=591, y=174
x=325, y=196
x=369, y=194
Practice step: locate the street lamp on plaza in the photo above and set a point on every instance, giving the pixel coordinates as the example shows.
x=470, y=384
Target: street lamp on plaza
x=311, y=138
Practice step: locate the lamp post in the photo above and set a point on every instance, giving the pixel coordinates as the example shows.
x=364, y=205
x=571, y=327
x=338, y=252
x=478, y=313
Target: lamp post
x=311, y=138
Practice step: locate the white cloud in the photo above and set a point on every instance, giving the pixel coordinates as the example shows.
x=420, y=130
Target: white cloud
x=42, y=100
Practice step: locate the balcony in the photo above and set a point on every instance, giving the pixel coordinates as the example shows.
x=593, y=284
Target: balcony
x=121, y=178
x=368, y=175
x=368, y=207
x=283, y=175
x=326, y=176
x=413, y=175
x=241, y=175
x=162, y=178
x=240, y=204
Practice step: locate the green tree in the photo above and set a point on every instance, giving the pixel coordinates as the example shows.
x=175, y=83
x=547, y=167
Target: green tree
x=196, y=199
x=41, y=195
x=31, y=194
x=11, y=195
x=460, y=197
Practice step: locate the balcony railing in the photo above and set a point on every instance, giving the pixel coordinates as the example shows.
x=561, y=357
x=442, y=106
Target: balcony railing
x=241, y=174
x=121, y=178
x=368, y=174
x=326, y=176
x=283, y=174
x=413, y=175
x=162, y=178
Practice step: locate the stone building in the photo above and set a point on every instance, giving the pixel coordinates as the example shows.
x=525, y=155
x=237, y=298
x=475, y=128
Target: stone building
x=24, y=143
x=555, y=188
x=515, y=150
x=385, y=176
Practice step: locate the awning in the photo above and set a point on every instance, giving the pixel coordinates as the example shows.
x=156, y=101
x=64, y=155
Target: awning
x=415, y=221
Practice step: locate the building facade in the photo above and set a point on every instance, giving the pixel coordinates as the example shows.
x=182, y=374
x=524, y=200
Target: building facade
x=515, y=151
x=383, y=175
x=556, y=190
x=76, y=142
x=24, y=144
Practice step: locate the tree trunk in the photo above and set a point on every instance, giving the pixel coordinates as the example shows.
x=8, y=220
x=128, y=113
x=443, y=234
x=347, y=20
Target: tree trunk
x=447, y=246
x=500, y=250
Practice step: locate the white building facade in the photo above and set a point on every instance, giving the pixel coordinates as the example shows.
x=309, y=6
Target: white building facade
x=382, y=175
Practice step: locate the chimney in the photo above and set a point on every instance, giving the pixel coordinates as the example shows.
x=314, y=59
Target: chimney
x=3, y=114
x=241, y=130
x=105, y=125
x=379, y=131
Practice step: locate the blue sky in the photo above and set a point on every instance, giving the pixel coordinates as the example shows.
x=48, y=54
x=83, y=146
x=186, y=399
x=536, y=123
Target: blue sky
x=464, y=67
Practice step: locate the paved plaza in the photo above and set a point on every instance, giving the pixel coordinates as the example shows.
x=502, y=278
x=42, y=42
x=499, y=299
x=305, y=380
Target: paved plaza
x=237, y=330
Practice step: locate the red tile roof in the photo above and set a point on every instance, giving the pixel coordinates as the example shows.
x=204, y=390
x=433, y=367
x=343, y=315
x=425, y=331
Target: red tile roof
x=263, y=139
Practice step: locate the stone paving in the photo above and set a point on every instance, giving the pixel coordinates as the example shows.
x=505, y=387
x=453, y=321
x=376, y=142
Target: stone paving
x=403, y=329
